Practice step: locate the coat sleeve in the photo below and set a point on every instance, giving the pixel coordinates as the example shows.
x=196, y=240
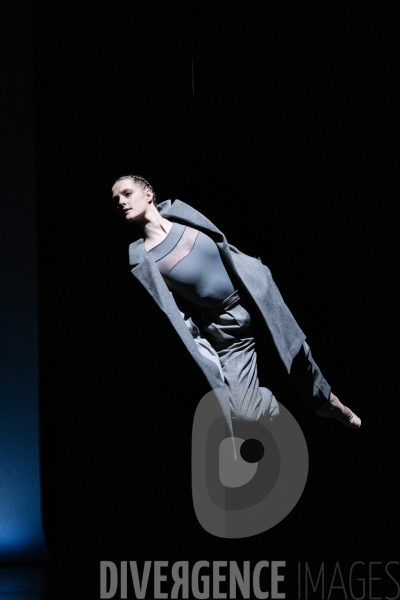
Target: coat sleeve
x=257, y=279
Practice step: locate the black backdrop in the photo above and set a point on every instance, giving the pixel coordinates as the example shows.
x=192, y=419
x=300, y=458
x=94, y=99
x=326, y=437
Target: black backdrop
x=278, y=123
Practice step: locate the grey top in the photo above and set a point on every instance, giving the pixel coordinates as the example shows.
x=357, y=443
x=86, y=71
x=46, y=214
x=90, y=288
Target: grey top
x=195, y=272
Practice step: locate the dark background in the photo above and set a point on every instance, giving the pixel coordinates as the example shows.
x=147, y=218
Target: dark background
x=278, y=123
x=21, y=536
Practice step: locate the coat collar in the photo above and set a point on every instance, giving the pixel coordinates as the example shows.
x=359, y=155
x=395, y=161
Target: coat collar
x=183, y=213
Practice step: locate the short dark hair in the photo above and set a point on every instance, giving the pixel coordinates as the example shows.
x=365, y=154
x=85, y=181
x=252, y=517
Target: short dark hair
x=143, y=184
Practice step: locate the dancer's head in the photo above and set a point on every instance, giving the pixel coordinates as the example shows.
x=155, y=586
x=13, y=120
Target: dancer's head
x=134, y=196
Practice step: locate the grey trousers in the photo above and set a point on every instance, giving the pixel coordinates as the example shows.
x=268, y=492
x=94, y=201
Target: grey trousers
x=228, y=329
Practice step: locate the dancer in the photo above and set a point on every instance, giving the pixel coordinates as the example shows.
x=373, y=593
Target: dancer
x=212, y=292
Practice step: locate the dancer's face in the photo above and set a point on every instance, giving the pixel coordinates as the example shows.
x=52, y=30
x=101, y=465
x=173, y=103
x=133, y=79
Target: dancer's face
x=132, y=199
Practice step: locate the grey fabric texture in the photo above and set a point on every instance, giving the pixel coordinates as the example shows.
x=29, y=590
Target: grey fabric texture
x=307, y=379
x=199, y=276
x=228, y=329
x=255, y=278
x=169, y=243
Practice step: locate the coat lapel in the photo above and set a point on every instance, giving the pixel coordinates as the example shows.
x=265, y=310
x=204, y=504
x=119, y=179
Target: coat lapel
x=146, y=271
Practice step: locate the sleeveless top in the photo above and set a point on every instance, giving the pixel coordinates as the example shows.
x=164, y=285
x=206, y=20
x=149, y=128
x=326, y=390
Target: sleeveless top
x=190, y=262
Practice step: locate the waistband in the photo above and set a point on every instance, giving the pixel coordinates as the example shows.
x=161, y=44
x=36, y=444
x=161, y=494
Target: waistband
x=229, y=302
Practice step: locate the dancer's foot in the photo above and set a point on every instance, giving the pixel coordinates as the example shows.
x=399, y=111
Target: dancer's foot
x=335, y=409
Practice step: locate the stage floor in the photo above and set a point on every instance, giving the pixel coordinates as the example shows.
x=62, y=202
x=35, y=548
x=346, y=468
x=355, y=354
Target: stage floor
x=21, y=582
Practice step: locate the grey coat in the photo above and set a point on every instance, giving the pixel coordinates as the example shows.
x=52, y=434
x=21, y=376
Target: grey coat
x=252, y=274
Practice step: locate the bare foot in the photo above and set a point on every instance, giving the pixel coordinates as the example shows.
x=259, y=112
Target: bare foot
x=335, y=409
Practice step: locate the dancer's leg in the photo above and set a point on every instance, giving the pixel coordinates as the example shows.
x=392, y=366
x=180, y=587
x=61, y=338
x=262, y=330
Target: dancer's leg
x=228, y=328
